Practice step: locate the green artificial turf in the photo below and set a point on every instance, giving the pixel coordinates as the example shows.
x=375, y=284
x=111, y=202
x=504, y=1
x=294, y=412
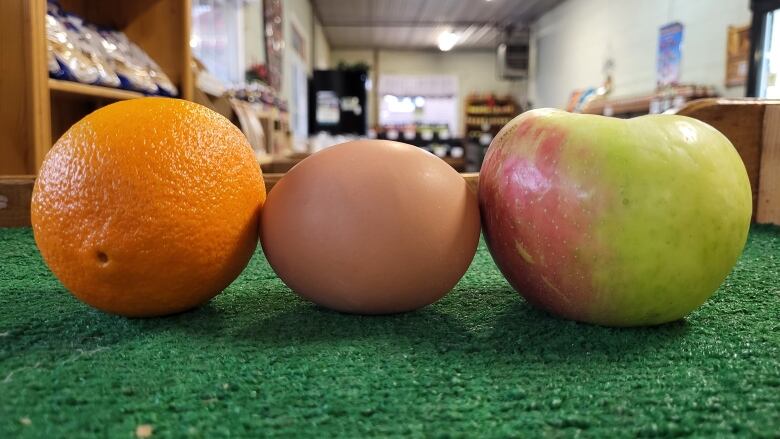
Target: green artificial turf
x=258, y=361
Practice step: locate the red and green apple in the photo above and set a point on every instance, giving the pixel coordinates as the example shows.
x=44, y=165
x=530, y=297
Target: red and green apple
x=611, y=221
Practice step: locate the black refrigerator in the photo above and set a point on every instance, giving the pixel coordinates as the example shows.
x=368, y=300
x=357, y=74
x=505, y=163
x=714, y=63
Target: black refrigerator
x=337, y=102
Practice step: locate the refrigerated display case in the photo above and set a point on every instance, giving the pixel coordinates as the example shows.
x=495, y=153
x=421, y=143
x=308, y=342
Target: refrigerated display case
x=764, y=66
x=337, y=102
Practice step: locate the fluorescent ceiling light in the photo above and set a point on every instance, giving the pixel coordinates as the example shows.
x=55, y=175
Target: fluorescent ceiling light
x=447, y=40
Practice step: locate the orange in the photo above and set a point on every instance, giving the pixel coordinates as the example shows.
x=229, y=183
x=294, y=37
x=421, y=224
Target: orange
x=148, y=207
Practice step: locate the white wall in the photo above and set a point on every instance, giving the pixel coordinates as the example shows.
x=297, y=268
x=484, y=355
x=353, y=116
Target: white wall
x=296, y=13
x=475, y=70
x=254, y=33
x=572, y=42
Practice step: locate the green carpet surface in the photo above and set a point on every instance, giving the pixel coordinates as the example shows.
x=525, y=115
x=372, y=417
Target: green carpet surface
x=258, y=361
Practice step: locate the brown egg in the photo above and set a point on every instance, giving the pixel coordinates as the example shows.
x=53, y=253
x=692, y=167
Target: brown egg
x=371, y=227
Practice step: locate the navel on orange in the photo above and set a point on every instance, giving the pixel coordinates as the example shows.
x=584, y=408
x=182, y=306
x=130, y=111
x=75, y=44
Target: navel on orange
x=148, y=207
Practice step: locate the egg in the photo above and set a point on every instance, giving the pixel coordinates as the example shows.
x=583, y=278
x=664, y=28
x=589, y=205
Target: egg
x=371, y=227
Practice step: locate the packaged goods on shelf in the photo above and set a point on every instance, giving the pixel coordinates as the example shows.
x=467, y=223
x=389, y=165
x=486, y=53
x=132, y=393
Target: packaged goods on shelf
x=132, y=74
x=135, y=60
x=89, y=43
x=71, y=61
x=82, y=52
x=55, y=71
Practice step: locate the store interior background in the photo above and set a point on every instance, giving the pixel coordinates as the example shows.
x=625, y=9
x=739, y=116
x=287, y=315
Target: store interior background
x=573, y=44
x=592, y=56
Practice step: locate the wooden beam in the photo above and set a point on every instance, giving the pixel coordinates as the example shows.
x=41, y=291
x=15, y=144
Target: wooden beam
x=15, y=197
x=16, y=193
x=24, y=114
x=96, y=91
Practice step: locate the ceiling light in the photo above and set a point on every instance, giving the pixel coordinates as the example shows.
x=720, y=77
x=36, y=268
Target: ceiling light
x=447, y=40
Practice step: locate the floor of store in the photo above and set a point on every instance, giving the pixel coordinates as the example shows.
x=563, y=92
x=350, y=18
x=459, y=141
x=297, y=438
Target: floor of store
x=477, y=363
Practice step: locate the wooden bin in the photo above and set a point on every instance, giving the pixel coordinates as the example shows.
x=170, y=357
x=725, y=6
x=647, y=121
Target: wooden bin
x=36, y=110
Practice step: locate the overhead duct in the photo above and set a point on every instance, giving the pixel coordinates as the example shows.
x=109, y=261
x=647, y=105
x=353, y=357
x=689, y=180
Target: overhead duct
x=512, y=54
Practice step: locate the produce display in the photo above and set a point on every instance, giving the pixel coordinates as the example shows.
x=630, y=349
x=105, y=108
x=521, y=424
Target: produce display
x=601, y=220
x=611, y=221
x=83, y=52
x=485, y=115
x=434, y=138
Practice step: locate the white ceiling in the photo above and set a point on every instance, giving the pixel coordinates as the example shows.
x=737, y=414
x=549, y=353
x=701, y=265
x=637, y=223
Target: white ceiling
x=414, y=24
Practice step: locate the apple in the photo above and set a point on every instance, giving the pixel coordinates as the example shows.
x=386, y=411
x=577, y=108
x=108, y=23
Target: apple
x=610, y=221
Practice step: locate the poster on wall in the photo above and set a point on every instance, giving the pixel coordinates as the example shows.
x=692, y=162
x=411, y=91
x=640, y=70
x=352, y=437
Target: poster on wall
x=737, y=55
x=274, y=41
x=669, y=54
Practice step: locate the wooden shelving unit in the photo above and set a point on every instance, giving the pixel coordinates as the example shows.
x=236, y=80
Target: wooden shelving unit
x=484, y=118
x=36, y=109
x=488, y=111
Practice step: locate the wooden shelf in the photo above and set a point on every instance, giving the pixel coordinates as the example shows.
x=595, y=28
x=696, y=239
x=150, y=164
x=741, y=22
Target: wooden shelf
x=41, y=109
x=70, y=87
x=633, y=105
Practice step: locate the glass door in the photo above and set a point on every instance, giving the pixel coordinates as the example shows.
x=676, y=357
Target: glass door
x=764, y=62
x=769, y=70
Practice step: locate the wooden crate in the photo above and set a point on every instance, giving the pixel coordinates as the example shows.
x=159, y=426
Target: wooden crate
x=15, y=196
x=753, y=126
x=36, y=110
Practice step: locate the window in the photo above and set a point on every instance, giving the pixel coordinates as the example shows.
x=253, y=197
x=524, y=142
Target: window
x=769, y=86
x=217, y=38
